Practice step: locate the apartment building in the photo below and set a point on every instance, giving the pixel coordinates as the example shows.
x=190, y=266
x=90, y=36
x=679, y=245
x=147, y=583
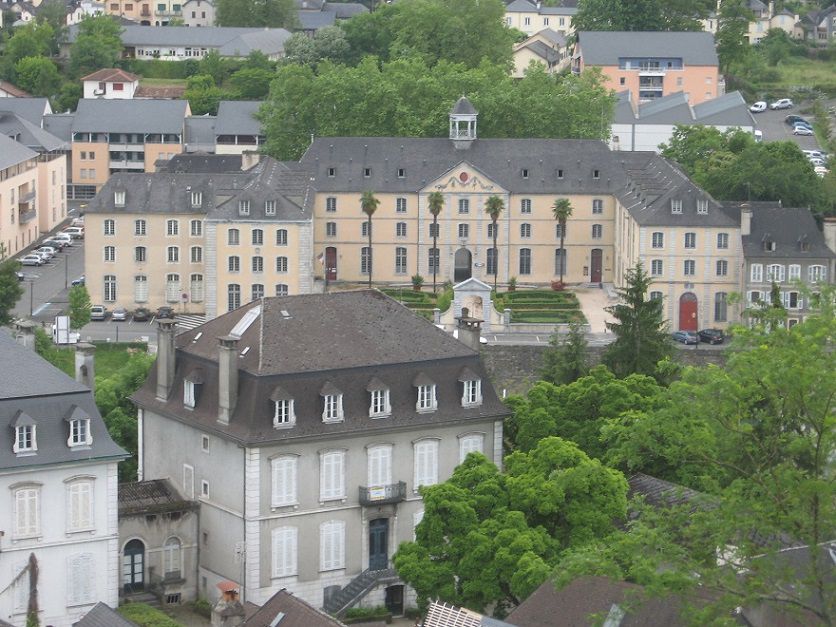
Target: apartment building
x=58, y=483
x=236, y=128
x=651, y=65
x=305, y=426
x=547, y=47
x=202, y=242
x=532, y=17
x=198, y=13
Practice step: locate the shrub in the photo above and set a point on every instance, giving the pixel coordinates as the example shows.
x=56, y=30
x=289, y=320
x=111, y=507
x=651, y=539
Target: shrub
x=202, y=607
x=146, y=616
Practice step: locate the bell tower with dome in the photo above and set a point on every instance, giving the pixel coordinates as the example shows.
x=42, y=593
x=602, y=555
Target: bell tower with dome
x=463, y=124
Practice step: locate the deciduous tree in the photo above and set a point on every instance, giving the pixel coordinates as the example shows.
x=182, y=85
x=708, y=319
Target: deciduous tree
x=10, y=288
x=641, y=15
x=38, y=76
x=79, y=306
x=565, y=360
x=97, y=45
x=269, y=13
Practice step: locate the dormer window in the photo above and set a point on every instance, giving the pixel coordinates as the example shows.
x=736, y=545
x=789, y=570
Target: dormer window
x=244, y=207
x=559, y=173
x=471, y=388
x=197, y=199
x=283, y=409
x=769, y=245
x=596, y=174
x=676, y=206
x=367, y=172
x=79, y=423
x=191, y=387
x=401, y=173
x=119, y=198
x=269, y=207
x=25, y=434
x=702, y=207
x=332, y=407
x=332, y=172
x=379, y=406
x=525, y=173
x=426, y=401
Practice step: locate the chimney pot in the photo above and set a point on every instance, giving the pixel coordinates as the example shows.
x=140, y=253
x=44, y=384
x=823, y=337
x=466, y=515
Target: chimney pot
x=469, y=329
x=85, y=371
x=165, y=357
x=227, y=377
x=745, y=220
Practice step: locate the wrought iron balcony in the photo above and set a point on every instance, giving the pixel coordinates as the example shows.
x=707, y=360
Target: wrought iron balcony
x=383, y=494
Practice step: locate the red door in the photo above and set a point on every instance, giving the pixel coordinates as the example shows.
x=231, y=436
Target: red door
x=688, y=312
x=596, y=265
x=331, y=263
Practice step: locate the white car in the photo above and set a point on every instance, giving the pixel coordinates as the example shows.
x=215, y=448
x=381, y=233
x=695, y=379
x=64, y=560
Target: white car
x=50, y=249
x=802, y=130
x=46, y=253
x=783, y=103
x=76, y=232
x=758, y=107
x=63, y=237
x=31, y=260
x=821, y=170
x=817, y=163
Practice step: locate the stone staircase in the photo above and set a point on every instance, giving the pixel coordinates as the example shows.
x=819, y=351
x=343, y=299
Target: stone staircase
x=149, y=598
x=357, y=588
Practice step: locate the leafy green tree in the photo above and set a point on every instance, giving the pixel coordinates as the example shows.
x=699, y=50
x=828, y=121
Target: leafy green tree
x=732, y=27
x=98, y=45
x=257, y=60
x=202, y=94
x=369, y=204
x=31, y=40
x=68, y=97
x=10, y=288
x=300, y=49
x=435, y=203
x=562, y=210
x=269, y=13
x=491, y=538
x=251, y=83
x=79, y=306
x=38, y=76
x=214, y=65
x=641, y=15
x=641, y=332
x=494, y=206
x=565, y=360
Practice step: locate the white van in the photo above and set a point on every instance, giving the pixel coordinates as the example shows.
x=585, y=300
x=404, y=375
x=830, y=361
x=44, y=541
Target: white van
x=63, y=237
x=758, y=136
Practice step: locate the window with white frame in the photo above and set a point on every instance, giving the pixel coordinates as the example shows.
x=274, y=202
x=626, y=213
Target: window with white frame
x=559, y=230
x=110, y=288
x=283, y=412
x=172, y=558
x=257, y=291
x=794, y=272
x=118, y=198
x=172, y=227
x=172, y=288
x=721, y=307
x=793, y=300
x=464, y=205
x=110, y=227
x=196, y=254
x=525, y=205
x=330, y=229
x=25, y=439
x=196, y=285
x=258, y=263
x=140, y=288
x=400, y=260
x=722, y=267
x=470, y=443
x=525, y=230
x=79, y=505
x=426, y=463
x=690, y=240
x=702, y=206
x=196, y=228
x=284, y=479
x=676, y=206
x=234, y=263
x=285, y=551
x=597, y=206
x=140, y=227
x=81, y=588
x=281, y=264
x=365, y=260
x=722, y=240
x=525, y=261
x=658, y=240
x=197, y=199
x=269, y=207
x=656, y=296
x=364, y=228
x=690, y=267
x=472, y=393
x=331, y=475
x=756, y=273
x=816, y=273
x=27, y=514
x=656, y=267
x=173, y=254
x=426, y=397
x=774, y=273
x=233, y=237
x=244, y=207
x=400, y=229
x=80, y=432
x=330, y=204
x=379, y=405
x=188, y=481
x=281, y=237
x=204, y=488
x=464, y=230
x=332, y=407
x=257, y=236
x=332, y=545
x=433, y=260
x=282, y=289
x=379, y=465
x=597, y=231
x=140, y=254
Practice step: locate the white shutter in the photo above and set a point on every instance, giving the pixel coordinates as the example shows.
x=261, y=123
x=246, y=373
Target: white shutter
x=80, y=584
x=21, y=586
x=332, y=545
x=417, y=517
x=470, y=444
x=26, y=512
x=331, y=475
x=284, y=481
x=756, y=273
x=380, y=465
x=426, y=463
x=285, y=551
x=188, y=481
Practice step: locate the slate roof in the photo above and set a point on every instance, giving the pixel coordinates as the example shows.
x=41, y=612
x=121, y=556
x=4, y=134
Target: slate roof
x=605, y=48
x=60, y=125
x=305, y=343
x=463, y=106
x=545, y=52
x=31, y=109
x=552, y=35
x=346, y=10
x=154, y=496
x=295, y=611
x=727, y=110
x=29, y=134
x=130, y=116
x=102, y=615
x=31, y=385
x=202, y=163
x=236, y=117
x=524, y=6
x=12, y=153
x=660, y=493
x=200, y=133
x=314, y=20
x=427, y=159
x=111, y=75
x=787, y=227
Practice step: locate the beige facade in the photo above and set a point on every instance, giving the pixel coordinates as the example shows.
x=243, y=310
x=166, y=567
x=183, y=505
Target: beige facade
x=93, y=162
x=52, y=190
x=532, y=20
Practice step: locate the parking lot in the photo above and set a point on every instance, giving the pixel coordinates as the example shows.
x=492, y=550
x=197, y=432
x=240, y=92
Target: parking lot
x=771, y=123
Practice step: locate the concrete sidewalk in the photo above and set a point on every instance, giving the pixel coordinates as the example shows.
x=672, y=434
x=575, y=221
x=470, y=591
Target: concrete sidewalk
x=593, y=300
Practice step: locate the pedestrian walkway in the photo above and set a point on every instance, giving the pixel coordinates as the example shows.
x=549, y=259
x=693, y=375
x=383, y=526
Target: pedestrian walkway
x=189, y=321
x=593, y=300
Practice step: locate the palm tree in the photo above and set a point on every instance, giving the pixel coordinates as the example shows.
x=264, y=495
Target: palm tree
x=368, y=203
x=435, y=202
x=494, y=208
x=562, y=209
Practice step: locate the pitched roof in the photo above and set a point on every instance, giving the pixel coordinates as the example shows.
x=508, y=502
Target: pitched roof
x=32, y=109
x=202, y=163
x=346, y=10
x=661, y=493
x=441, y=614
x=130, y=116
x=111, y=75
x=788, y=227
x=157, y=495
x=12, y=153
x=314, y=20
x=727, y=110
x=102, y=615
x=60, y=125
x=13, y=90
x=606, y=48
x=463, y=106
x=29, y=134
x=294, y=613
x=544, y=51
x=237, y=117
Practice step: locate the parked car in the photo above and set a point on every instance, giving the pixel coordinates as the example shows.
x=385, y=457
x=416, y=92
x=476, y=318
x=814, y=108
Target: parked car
x=802, y=130
x=781, y=103
x=712, y=336
x=120, y=314
x=810, y=154
x=792, y=120
x=57, y=244
x=63, y=237
x=98, y=312
x=758, y=107
x=50, y=249
x=79, y=281
x=817, y=163
x=165, y=312
x=142, y=314
x=31, y=260
x=77, y=222
x=76, y=232
x=43, y=254
x=686, y=337
x=20, y=276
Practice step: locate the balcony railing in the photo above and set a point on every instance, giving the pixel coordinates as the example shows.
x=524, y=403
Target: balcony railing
x=26, y=215
x=27, y=196
x=383, y=494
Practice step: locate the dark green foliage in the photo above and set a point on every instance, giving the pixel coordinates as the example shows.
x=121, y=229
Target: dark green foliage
x=732, y=29
x=251, y=83
x=98, y=45
x=641, y=332
x=31, y=40
x=203, y=95
x=79, y=306
x=327, y=44
x=146, y=616
x=269, y=13
x=68, y=97
x=37, y=75
x=641, y=15
x=10, y=288
x=565, y=359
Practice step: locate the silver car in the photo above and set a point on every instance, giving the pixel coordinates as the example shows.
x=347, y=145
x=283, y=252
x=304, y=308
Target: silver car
x=31, y=260
x=120, y=314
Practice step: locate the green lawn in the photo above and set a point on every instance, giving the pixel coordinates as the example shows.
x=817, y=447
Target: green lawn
x=540, y=306
x=110, y=357
x=807, y=73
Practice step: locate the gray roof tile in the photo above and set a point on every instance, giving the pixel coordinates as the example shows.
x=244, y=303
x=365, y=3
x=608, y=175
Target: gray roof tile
x=788, y=227
x=155, y=495
x=130, y=116
x=605, y=48
x=29, y=134
x=237, y=117
x=103, y=616
x=200, y=133
x=12, y=153
x=32, y=109
x=60, y=125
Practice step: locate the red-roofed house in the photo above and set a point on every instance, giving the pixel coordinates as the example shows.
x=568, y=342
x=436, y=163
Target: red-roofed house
x=110, y=83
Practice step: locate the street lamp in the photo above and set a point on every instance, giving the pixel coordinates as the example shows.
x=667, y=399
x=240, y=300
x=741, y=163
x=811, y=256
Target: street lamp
x=30, y=278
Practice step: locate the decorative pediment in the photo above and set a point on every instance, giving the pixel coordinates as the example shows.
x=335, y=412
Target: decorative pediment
x=464, y=178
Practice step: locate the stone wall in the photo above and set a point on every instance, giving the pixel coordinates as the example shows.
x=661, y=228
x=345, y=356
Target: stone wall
x=514, y=369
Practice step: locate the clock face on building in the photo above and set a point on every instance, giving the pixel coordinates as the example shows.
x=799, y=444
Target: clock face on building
x=463, y=177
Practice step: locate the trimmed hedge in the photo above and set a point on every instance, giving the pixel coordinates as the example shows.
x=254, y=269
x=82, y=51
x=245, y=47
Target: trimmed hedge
x=547, y=316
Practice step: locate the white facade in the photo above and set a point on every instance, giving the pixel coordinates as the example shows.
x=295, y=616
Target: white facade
x=649, y=136
x=110, y=90
x=197, y=13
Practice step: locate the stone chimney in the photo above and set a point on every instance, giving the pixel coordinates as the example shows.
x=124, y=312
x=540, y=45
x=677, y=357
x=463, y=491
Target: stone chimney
x=25, y=333
x=85, y=372
x=249, y=159
x=228, y=611
x=745, y=220
x=830, y=233
x=227, y=377
x=469, y=329
x=165, y=357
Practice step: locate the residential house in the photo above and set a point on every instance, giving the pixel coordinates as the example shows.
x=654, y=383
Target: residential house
x=783, y=246
x=77, y=10
x=178, y=43
x=532, y=17
x=646, y=125
x=110, y=84
x=58, y=481
x=305, y=426
x=547, y=47
x=764, y=19
x=7, y=90
x=158, y=536
x=316, y=14
x=688, y=242
x=198, y=13
x=819, y=26
x=652, y=64
x=204, y=242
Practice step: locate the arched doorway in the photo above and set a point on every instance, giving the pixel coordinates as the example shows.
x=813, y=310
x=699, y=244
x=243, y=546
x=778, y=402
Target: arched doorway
x=688, y=312
x=133, y=566
x=463, y=264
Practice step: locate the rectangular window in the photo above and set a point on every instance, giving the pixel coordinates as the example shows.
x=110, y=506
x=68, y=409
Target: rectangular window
x=775, y=273
x=690, y=267
x=401, y=173
x=172, y=288
x=110, y=227
x=173, y=254
x=525, y=230
x=379, y=403
x=658, y=240
x=197, y=288
x=656, y=267
x=379, y=466
x=722, y=267
x=330, y=204
x=285, y=551
x=702, y=207
x=196, y=228
x=426, y=398
x=400, y=229
x=560, y=267
x=333, y=408
x=188, y=394
x=525, y=261
x=400, y=260
x=816, y=273
x=364, y=260
x=492, y=256
x=257, y=291
x=258, y=264
x=110, y=287
x=284, y=490
x=197, y=199
x=473, y=443
x=139, y=227
x=27, y=512
x=257, y=237
x=525, y=205
x=234, y=264
x=244, y=207
x=597, y=231
x=233, y=237
x=464, y=205
x=720, y=307
x=722, y=240
x=331, y=476
x=330, y=229
x=197, y=254
x=400, y=205
x=464, y=230
x=204, y=488
x=140, y=288
x=269, y=207
x=79, y=506
x=426, y=463
x=172, y=227
x=472, y=393
x=560, y=230
x=597, y=204
x=281, y=237
x=25, y=439
x=81, y=579
x=110, y=253
x=676, y=206
x=364, y=229
x=794, y=272
x=433, y=260
x=690, y=240
x=756, y=273
x=332, y=545
x=283, y=412
x=281, y=264
x=434, y=230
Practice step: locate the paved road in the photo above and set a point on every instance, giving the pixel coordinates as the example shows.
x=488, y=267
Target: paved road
x=45, y=295
x=774, y=129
